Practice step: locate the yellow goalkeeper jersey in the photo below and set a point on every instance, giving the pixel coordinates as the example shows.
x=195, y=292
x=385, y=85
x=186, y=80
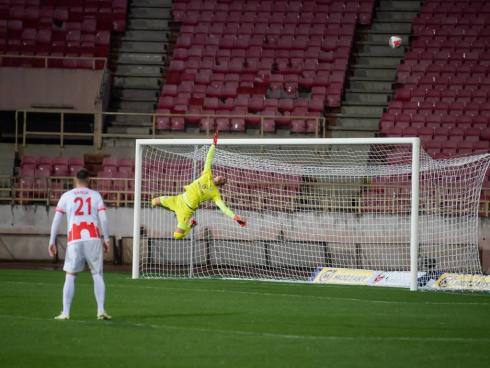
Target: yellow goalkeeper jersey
x=203, y=189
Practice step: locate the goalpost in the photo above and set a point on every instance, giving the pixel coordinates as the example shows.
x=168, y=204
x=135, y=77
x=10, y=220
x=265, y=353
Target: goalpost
x=376, y=204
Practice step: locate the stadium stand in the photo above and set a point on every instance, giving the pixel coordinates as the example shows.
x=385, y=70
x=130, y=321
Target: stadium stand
x=42, y=179
x=274, y=58
x=56, y=34
x=444, y=80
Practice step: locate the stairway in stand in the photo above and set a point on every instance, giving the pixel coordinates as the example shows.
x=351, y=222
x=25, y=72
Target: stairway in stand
x=138, y=61
x=372, y=72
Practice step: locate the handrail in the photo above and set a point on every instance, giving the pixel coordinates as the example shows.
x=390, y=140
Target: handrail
x=93, y=59
x=97, y=135
x=48, y=193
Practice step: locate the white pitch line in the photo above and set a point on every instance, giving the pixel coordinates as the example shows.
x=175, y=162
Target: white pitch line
x=485, y=340
x=320, y=297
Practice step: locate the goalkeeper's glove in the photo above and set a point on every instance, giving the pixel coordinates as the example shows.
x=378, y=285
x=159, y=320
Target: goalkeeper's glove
x=215, y=138
x=241, y=221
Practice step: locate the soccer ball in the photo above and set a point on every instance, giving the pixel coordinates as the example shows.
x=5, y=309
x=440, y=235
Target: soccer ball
x=395, y=41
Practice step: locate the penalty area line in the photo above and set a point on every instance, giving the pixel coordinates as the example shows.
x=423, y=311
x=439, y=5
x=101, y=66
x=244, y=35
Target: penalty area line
x=122, y=323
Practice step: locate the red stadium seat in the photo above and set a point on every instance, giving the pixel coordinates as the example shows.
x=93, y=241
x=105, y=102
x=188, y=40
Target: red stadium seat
x=60, y=170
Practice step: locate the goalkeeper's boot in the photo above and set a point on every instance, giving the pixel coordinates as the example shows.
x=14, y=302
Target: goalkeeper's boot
x=193, y=223
x=103, y=316
x=62, y=317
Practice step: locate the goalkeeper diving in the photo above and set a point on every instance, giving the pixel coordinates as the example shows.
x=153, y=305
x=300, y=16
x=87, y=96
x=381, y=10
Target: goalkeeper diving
x=203, y=189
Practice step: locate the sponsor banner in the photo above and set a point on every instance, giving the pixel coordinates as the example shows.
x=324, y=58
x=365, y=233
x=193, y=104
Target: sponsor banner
x=349, y=276
x=394, y=279
x=346, y=276
x=454, y=281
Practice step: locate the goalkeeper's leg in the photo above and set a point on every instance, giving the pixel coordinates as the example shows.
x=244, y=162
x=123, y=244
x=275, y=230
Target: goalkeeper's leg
x=184, y=226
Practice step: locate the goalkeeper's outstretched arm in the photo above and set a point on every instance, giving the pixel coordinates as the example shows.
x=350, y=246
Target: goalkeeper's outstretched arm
x=222, y=206
x=210, y=157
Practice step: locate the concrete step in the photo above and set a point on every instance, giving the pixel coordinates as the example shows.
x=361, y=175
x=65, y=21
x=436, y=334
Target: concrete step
x=382, y=49
x=375, y=86
x=143, y=35
x=346, y=133
x=138, y=71
x=139, y=59
x=146, y=47
x=365, y=97
x=126, y=94
x=7, y=152
x=132, y=120
x=133, y=106
x=393, y=27
x=374, y=73
x=382, y=38
x=151, y=3
x=149, y=13
x=128, y=130
x=380, y=62
x=362, y=109
x=390, y=15
x=148, y=24
x=138, y=82
x=399, y=5
x=357, y=123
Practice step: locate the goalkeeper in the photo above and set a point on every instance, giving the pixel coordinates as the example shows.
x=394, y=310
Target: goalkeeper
x=203, y=189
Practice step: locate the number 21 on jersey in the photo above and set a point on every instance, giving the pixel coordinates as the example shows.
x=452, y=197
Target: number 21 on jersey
x=80, y=202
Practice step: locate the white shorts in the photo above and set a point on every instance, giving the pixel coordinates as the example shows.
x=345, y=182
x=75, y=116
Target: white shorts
x=78, y=253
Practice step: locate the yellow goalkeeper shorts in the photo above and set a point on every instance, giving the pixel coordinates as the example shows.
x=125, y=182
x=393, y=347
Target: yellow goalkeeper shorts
x=182, y=211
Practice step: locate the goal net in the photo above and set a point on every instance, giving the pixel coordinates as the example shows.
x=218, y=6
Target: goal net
x=336, y=203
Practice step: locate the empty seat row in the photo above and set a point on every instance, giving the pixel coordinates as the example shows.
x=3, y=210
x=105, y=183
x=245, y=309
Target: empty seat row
x=435, y=121
x=255, y=47
x=266, y=38
x=50, y=166
x=440, y=133
x=445, y=95
x=246, y=10
x=116, y=168
x=268, y=121
x=461, y=111
x=110, y=15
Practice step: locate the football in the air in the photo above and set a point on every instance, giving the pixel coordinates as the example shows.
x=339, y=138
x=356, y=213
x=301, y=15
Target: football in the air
x=395, y=41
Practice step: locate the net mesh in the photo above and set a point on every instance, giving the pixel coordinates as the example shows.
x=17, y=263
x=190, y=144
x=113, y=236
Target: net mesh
x=308, y=207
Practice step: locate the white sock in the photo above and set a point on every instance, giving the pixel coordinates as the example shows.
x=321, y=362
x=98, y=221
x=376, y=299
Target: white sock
x=99, y=291
x=68, y=292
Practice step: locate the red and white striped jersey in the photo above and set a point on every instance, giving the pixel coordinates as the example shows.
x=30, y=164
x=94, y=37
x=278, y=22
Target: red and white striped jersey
x=81, y=206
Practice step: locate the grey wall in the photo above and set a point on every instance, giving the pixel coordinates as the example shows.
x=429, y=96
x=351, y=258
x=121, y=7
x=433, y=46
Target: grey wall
x=34, y=222
x=76, y=88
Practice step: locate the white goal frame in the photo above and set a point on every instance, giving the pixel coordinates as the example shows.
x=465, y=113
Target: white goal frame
x=414, y=142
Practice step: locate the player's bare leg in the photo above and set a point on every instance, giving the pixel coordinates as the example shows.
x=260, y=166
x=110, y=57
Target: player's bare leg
x=68, y=292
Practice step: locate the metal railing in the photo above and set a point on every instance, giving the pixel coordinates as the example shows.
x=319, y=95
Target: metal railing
x=97, y=135
x=350, y=197
x=45, y=61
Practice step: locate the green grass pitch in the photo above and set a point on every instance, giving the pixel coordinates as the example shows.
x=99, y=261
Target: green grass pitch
x=224, y=323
